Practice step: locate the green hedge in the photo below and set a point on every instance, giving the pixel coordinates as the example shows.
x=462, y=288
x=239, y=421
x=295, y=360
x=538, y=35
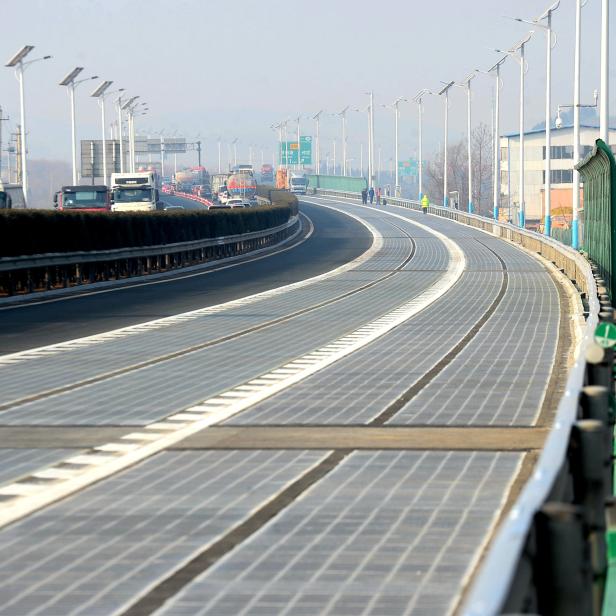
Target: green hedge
x=278, y=197
x=27, y=232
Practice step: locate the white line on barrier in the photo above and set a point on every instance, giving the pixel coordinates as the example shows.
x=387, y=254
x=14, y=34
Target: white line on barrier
x=54, y=349
x=203, y=269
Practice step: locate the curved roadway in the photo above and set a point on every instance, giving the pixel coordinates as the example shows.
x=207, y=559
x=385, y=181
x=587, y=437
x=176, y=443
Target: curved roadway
x=262, y=443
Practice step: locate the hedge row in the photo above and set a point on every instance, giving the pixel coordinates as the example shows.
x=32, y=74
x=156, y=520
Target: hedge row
x=27, y=232
x=278, y=197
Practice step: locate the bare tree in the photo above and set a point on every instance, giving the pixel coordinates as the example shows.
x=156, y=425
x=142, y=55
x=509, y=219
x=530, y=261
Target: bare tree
x=481, y=148
x=457, y=174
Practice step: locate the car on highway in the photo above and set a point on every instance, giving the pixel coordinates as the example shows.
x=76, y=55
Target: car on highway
x=238, y=202
x=173, y=207
x=223, y=196
x=218, y=206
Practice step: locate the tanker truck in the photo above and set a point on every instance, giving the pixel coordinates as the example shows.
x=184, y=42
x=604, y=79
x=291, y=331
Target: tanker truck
x=242, y=185
x=184, y=181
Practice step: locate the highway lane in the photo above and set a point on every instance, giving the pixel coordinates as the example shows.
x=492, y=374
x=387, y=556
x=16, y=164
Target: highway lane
x=214, y=523
x=335, y=241
x=187, y=204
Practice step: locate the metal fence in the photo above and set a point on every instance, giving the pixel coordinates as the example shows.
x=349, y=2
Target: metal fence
x=337, y=182
x=549, y=554
x=598, y=171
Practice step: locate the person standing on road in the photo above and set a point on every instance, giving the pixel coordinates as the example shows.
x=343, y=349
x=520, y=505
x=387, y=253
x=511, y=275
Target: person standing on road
x=364, y=196
x=371, y=195
x=378, y=196
x=425, y=203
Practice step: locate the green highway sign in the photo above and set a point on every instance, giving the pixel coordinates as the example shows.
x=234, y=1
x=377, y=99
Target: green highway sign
x=290, y=152
x=408, y=167
x=605, y=335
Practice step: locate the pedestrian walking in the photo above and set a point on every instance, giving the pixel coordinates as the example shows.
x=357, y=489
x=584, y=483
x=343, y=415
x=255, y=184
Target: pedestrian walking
x=371, y=195
x=378, y=196
x=425, y=203
x=364, y=196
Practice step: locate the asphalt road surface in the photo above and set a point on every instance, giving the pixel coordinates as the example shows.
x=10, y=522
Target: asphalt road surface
x=336, y=239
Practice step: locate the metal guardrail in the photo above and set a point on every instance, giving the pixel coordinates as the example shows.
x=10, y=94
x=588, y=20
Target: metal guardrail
x=26, y=274
x=548, y=555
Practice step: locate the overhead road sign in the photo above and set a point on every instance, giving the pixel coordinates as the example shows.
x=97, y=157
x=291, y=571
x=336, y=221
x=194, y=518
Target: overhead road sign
x=292, y=153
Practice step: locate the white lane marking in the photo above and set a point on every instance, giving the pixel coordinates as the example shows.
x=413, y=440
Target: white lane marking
x=170, y=278
x=54, y=349
x=226, y=404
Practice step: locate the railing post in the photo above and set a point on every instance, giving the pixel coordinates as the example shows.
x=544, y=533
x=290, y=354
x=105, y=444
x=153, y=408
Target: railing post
x=562, y=571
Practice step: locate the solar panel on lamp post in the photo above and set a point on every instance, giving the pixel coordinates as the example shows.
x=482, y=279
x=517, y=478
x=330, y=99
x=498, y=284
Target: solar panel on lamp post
x=17, y=62
x=71, y=83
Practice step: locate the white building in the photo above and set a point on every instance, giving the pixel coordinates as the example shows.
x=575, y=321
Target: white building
x=534, y=172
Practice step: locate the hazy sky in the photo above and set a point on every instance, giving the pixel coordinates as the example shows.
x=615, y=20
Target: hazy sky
x=232, y=68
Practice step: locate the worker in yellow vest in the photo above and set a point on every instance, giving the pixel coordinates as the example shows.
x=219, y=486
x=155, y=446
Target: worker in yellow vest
x=425, y=203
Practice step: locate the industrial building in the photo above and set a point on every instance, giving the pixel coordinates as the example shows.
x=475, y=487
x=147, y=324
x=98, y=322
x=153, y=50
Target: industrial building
x=534, y=173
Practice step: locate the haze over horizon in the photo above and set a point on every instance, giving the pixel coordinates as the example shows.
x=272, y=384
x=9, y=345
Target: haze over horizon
x=211, y=71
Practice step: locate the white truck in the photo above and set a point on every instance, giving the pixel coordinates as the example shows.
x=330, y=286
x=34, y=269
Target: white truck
x=134, y=192
x=12, y=197
x=298, y=183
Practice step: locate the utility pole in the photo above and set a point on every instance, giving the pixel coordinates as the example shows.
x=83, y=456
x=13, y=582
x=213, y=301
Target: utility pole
x=19, y=157
x=3, y=119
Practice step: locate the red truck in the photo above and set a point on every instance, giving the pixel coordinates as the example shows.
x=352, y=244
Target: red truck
x=83, y=199
x=267, y=174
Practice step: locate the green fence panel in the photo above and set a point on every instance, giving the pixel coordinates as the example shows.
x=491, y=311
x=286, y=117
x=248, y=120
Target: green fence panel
x=598, y=171
x=337, y=182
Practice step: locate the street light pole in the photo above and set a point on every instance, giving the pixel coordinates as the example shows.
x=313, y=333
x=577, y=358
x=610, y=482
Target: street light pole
x=605, y=67
x=522, y=216
x=342, y=114
x=419, y=100
x=467, y=85
x=120, y=133
x=299, y=160
x=445, y=91
x=317, y=118
x=71, y=84
x=575, y=242
x=420, y=139
x=519, y=57
x=547, y=15
x=17, y=62
x=496, y=181
x=71, y=90
x=396, y=107
x=162, y=156
x=100, y=94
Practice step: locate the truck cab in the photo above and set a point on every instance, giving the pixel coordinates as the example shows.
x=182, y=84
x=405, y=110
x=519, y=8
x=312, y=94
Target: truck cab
x=134, y=192
x=298, y=183
x=82, y=199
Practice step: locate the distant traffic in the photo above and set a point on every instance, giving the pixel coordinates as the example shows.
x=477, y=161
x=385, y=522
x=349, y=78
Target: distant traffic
x=141, y=191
